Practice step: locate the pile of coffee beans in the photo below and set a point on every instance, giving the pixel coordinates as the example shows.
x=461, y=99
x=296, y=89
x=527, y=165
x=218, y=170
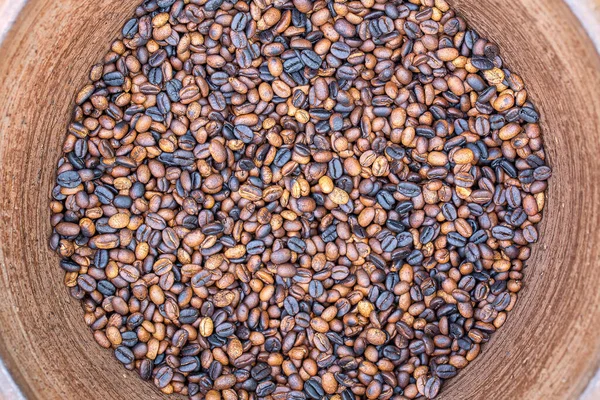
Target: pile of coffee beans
x=277, y=199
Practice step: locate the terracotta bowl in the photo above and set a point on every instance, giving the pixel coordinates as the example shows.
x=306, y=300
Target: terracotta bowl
x=548, y=349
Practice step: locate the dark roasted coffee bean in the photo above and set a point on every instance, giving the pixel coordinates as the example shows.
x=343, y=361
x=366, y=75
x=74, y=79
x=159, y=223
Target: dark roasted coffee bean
x=313, y=389
x=384, y=301
x=239, y=22
x=213, y=5
x=310, y=59
x=124, y=355
x=69, y=179
x=291, y=305
x=432, y=387
x=385, y=200
x=145, y=369
x=542, y=173
x=188, y=315
x=502, y=232
x=293, y=64
x=129, y=338
x=297, y=245
x=445, y=371
x=482, y=63
x=189, y=364
x=265, y=388
x=114, y=78
x=529, y=115
x=340, y=50
x=409, y=189
x=130, y=28
x=163, y=377
x=395, y=152
x=261, y=371
x=225, y=330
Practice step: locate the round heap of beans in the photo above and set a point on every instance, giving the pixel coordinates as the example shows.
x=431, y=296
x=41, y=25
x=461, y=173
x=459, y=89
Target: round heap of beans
x=275, y=199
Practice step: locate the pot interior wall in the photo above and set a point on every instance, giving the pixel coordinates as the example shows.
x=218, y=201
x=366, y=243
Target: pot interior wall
x=548, y=349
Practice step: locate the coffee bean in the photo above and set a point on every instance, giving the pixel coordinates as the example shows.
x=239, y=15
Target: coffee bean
x=163, y=377
x=293, y=65
x=542, y=173
x=502, y=232
x=310, y=59
x=189, y=364
x=115, y=78
x=124, y=355
x=384, y=301
x=225, y=329
x=188, y=315
x=313, y=389
x=385, y=200
x=296, y=244
x=239, y=22
x=261, y=371
x=432, y=387
x=482, y=63
x=213, y=5
x=265, y=388
x=340, y=50
x=529, y=115
x=376, y=336
x=409, y=189
x=316, y=289
x=68, y=179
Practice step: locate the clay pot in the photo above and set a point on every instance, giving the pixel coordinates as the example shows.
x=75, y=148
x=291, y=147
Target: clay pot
x=548, y=349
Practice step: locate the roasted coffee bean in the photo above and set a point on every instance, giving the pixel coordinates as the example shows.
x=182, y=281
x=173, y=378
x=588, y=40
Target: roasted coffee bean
x=482, y=63
x=129, y=338
x=130, y=28
x=528, y=114
x=298, y=201
x=310, y=59
x=189, y=364
x=432, y=387
x=225, y=329
x=340, y=50
x=188, y=315
x=260, y=371
x=296, y=244
x=239, y=22
x=163, y=377
x=316, y=289
x=265, y=388
x=124, y=355
x=445, y=371
x=313, y=389
x=114, y=78
x=409, y=189
x=502, y=232
x=69, y=179
x=293, y=64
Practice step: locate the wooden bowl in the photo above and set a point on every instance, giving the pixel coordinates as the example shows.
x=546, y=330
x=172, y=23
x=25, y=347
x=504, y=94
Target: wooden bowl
x=548, y=349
